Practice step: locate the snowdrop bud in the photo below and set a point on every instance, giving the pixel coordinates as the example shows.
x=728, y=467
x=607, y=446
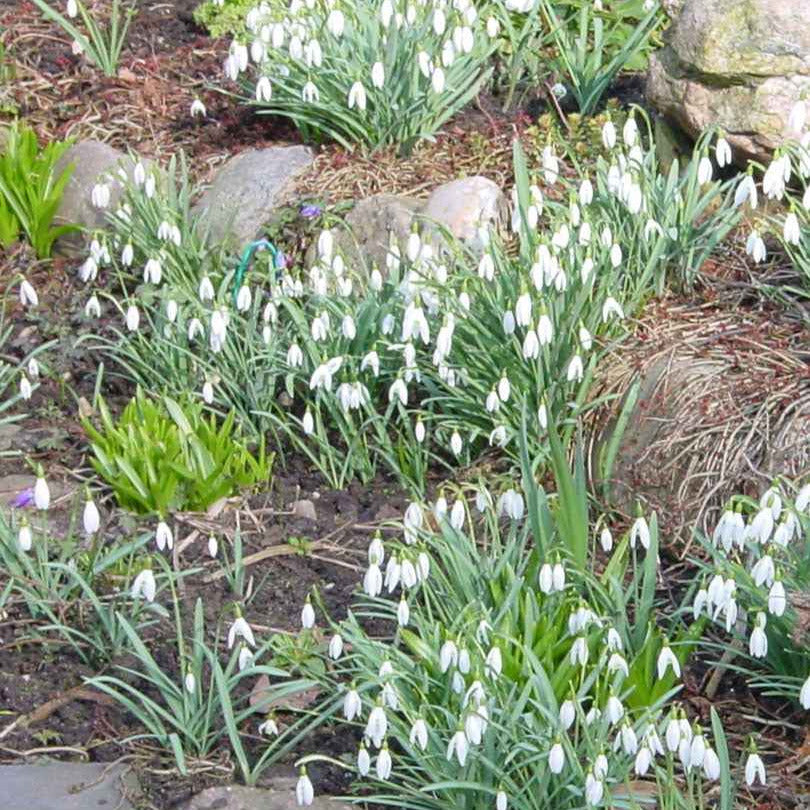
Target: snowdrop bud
x=437, y=80
x=456, y=443
x=28, y=295
x=606, y=540
x=609, y=135
x=72, y=8
x=378, y=75
x=25, y=387
x=335, y=647
x=556, y=758
x=25, y=536
x=304, y=792
x=90, y=518
x=213, y=546
x=42, y=493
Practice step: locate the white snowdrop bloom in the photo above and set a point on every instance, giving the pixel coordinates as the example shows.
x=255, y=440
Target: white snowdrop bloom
x=585, y=192
x=791, y=231
x=457, y=514
x=609, y=135
x=42, y=493
x=92, y=309
x=373, y=580
x=163, y=536
x=722, y=152
x=437, y=80
x=144, y=586
x=357, y=96
x=91, y=519
x=448, y=655
x=579, y=651
x=132, y=318
x=352, y=705
x=378, y=75
x=772, y=500
x=746, y=192
x=240, y=629
x=264, y=89
x=456, y=443
x=206, y=290
x=667, y=660
x=617, y=663
x=28, y=295
x=763, y=571
x=307, y=616
x=384, y=764
x=797, y=118
x=545, y=329
x=777, y=599
x=556, y=758
x=575, y=369
x=776, y=177
x=630, y=132
x=594, y=789
x=100, y=195
x=804, y=694
x=704, y=172
x=310, y=93
x=755, y=247
x=616, y=255
x=152, y=272
x=304, y=792
x=610, y=308
x=754, y=769
x=336, y=22
x=758, y=643
x=377, y=726
x=614, y=710
x=25, y=387
x=551, y=165
x=458, y=746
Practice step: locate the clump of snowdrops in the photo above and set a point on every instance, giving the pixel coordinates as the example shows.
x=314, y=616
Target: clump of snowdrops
x=512, y=674
x=756, y=587
x=385, y=72
x=435, y=355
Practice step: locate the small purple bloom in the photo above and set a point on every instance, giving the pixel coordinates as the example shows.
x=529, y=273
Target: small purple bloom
x=24, y=498
x=310, y=211
x=280, y=260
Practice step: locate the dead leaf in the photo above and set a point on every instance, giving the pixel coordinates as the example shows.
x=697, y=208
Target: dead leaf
x=262, y=701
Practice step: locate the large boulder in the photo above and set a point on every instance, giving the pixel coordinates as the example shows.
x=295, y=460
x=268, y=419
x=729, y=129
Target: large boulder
x=93, y=162
x=246, y=190
x=460, y=207
x=739, y=64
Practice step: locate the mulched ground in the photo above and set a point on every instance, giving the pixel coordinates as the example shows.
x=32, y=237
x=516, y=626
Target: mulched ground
x=167, y=63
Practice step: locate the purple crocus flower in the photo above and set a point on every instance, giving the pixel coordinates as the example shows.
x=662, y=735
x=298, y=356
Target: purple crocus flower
x=23, y=498
x=310, y=211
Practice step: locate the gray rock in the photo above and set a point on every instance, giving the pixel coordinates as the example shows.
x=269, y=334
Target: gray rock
x=463, y=206
x=280, y=796
x=67, y=786
x=739, y=64
x=246, y=189
x=370, y=226
x=305, y=509
x=10, y=437
x=92, y=161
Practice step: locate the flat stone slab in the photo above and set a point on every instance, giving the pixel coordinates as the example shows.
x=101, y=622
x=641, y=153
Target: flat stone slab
x=281, y=796
x=67, y=786
x=246, y=189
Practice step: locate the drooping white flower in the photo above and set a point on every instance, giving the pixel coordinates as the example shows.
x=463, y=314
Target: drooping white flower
x=197, y=109
x=357, y=96
x=307, y=616
x=133, y=318
x=304, y=792
x=609, y=134
x=758, y=643
x=791, y=231
x=240, y=629
x=42, y=493
x=460, y=746
x=804, y=694
x=754, y=769
x=352, y=705
x=667, y=660
x=144, y=585
x=722, y=152
x=25, y=536
x=377, y=726
x=640, y=533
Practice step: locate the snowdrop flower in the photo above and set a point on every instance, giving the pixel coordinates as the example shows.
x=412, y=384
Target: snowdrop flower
x=352, y=705
x=92, y=309
x=197, y=109
x=304, y=792
x=594, y=789
x=758, y=643
x=630, y=132
x=308, y=615
x=567, y=714
x=378, y=75
x=667, y=659
x=72, y=8
x=493, y=663
x=606, y=540
x=310, y=94
x=511, y=504
x=755, y=247
x=335, y=22
x=586, y=192
x=579, y=651
x=556, y=758
x=614, y=709
x=90, y=517
x=25, y=536
x=804, y=694
x=609, y=135
x=28, y=295
x=575, y=369
x=133, y=318
x=790, y=231
x=754, y=769
x=144, y=585
x=640, y=533
x=437, y=80
x=384, y=764
x=377, y=725
x=776, y=177
x=616, y=663
x=763, y=571
x=163, y=536
x=459, y=746
x=746, y=192
x=25, y=387
x=42, y=493
x=722, y=152
x=269, y=728
x=545, y=329
x=777, y=599
x=448, y=655
x=456, y=443
x=357, y=96
x=100, y=195
x=611, y=307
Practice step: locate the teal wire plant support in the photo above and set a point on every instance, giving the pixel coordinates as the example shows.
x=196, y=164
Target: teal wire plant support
x=244, y=263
